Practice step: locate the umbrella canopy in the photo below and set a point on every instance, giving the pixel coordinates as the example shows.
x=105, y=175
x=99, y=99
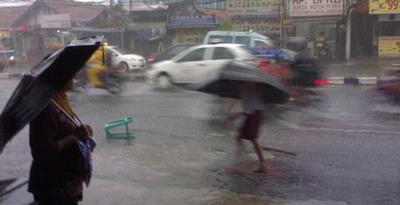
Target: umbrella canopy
x=232, y=77
x=35, y=91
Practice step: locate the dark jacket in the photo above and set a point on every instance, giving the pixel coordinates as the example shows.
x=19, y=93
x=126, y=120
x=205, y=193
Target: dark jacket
x=54, y=174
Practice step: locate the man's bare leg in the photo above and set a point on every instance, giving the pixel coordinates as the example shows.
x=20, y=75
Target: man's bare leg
x=263, y=165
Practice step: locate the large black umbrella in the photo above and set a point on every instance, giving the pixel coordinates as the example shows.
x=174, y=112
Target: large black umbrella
x=229, y=80
x=34, y=92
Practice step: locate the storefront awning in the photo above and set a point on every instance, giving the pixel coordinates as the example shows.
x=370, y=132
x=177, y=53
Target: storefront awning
x=321, y=19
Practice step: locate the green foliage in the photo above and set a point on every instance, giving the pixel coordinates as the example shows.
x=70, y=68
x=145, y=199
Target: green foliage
x=226, y=25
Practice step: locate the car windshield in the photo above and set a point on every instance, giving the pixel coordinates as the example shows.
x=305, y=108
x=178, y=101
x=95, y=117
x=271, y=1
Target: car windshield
x=176, y=50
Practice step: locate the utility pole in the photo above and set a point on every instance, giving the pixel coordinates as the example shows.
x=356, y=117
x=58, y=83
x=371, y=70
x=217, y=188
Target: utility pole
x=349, y=8
x=281, y=23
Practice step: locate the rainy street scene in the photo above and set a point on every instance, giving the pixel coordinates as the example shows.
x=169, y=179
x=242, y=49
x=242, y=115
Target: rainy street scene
x=203, y=102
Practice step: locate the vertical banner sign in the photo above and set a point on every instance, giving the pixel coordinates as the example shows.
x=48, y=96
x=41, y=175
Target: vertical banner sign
x=389, y=46
x=384, y=6
x=315, y=7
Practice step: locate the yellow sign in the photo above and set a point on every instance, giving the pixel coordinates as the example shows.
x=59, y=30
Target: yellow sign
x=389, y=46
x=4, y=33
x=384, y=6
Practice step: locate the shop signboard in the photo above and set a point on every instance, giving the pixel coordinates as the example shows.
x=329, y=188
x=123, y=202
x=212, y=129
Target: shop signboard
x=4, y=33
x=55, y=21
x=304, y=8
x=253, y=7
x=389, y=46
x=266, y=26
x=192, y=21
x=384, y=6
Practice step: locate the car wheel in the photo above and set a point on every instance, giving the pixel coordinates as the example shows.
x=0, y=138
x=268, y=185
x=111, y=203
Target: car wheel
x=164, y=81
x=124, y=66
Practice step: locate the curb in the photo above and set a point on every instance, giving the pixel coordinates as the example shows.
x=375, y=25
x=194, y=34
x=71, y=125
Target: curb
x=11, y=75
x=353, y=80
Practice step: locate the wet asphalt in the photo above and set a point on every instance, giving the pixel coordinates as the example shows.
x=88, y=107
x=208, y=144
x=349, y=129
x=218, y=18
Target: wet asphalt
x=339, y=144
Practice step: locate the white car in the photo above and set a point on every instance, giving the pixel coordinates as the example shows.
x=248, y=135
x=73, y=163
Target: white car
x=195, y=64
x=126, y=60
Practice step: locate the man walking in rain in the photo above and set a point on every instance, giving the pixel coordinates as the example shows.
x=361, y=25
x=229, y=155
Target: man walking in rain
x=252, y=109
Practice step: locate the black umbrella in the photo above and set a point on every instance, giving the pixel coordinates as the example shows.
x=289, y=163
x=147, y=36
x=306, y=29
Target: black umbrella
x=34, y=92
x=229, y=80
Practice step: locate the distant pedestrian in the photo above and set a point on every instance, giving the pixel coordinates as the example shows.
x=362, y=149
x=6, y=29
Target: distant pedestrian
x=252, y=110
x=320, y=44
x=60, y=164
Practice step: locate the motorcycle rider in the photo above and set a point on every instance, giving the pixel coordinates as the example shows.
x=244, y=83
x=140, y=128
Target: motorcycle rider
x=320, y=43
x=98, y=65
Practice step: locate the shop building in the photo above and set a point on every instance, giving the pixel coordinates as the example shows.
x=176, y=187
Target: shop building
x=155, y=28
x=46, y=25
x=261, y=16
x=386, y=27
x=8, y=14
x=311, y=18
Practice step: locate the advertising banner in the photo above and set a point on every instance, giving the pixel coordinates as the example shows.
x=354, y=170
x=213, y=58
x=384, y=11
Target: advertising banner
x=265, y=26
x=150, y=34
x=384, y=6
x=304, y=8
x=389, y=46
x=254, y=7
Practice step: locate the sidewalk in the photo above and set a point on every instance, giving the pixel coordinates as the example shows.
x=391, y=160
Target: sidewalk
x=358, y=67
x=357, y=71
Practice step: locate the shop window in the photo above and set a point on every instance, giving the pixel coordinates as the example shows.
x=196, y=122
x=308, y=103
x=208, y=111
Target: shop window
x=222, y=53
x=387, y=28
x=196, y=55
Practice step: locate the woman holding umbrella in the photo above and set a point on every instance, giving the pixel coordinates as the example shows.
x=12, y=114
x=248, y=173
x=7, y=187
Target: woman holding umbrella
x=59, y=166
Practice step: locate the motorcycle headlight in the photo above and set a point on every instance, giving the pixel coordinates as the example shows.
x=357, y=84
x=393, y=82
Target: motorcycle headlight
x=11, y=58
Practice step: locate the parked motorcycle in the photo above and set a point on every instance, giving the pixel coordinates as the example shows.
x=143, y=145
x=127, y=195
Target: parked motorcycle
x=113, y=81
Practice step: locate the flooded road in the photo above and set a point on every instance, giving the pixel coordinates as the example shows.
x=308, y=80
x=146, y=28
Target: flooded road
x=341, y=147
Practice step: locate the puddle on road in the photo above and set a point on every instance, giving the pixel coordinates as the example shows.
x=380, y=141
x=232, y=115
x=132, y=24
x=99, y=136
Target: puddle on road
x=238, y=177
x=231, y=198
